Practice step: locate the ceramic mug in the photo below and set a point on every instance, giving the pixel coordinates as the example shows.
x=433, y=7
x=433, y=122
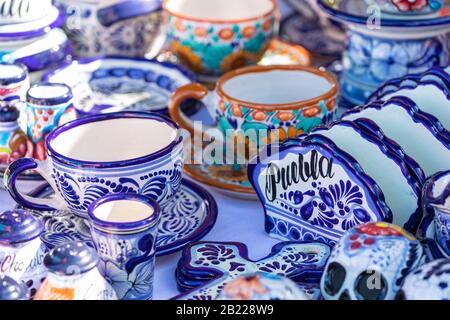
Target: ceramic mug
x=120, y=152
x=21, y=11
x=124, y=228
x=411, y=7
x=14, y=82
x=285, y=100
x=212, y=37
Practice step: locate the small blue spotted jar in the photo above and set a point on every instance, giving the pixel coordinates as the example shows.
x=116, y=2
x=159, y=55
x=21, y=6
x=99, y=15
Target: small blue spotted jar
x=21, y=250
x=73, y=275
x=10, y=289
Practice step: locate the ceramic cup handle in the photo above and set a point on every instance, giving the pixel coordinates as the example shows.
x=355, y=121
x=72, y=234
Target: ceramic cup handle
x=190, y=91
x=11, y=181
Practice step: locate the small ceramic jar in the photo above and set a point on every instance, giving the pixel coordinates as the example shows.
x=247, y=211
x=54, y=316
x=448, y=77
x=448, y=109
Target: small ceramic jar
x=13, y=141
x=10, y=289
x=262, y=286
x=14, y=82
x=73, y=275
x=411, y=7
x=21, y=250
x=21, y=11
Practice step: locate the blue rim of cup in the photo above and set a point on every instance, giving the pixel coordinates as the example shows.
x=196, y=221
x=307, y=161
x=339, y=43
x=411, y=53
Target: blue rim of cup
x=110, y=116
x=53, y=101
x=127, y=10
x=339, y=14
x=106, y=226
x=21, y=76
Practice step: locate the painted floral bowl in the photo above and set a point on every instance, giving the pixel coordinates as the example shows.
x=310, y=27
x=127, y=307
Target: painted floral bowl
x=408, y=7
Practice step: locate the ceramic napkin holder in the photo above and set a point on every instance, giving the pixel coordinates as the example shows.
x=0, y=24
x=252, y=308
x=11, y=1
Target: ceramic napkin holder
x=311, y=191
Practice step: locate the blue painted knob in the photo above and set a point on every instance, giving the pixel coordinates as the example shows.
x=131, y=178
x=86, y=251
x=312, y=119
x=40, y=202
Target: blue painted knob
x=11, y=290
x=18, y=226
x=8, y=113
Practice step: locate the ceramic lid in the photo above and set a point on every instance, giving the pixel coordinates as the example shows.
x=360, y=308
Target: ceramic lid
x=11, y=73
x=71, y=259
x=11, y=290
x=8, y=113
x=17, y=226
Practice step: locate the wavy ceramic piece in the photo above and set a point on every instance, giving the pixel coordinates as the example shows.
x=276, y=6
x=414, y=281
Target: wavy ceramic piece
x=188, y=218
x=401, y=191
x=400, y=120
x=110, y=84
x=301, y=262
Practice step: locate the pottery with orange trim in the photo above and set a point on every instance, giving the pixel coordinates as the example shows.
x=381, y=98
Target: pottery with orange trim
x=281, y=101
x=212, y=37
x=285, y=53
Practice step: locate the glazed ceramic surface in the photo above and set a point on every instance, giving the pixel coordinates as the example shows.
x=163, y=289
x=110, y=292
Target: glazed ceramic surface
x=10, y=289
x=400, y=120
x=128, y=28
x=48, y=106
x=189, y=217
x=213, y=37
x=19, y=11
x=22, y=252
x=83, y=163
x=73, y=275
x=370, y=262
x=408, y=7
x=111, y=84
x=429, y=282
x=388, y=170
x=14, y=82
x=13, y=141
x=301, y=262
x=285, y=53
x=124, y=228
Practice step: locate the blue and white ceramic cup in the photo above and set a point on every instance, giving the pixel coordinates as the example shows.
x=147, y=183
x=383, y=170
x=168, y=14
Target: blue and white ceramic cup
x=124, y=152
x=14, y=82
x=124, y=229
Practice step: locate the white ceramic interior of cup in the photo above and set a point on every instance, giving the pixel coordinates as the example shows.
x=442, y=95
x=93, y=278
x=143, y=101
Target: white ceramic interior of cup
x=429, y=99
x=276, y=86
x=8, y=71
x=123, y=211
x=223, y=10
x=386, y=173
x=416, y=140
x=114, y=140
x=48, y=91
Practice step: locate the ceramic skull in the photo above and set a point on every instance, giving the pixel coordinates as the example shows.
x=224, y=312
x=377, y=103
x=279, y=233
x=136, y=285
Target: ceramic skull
x=370, y=262
x=429, y=282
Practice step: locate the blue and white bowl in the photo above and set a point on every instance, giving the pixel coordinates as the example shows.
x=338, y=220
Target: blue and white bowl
x=111, y=84
x=407, y=7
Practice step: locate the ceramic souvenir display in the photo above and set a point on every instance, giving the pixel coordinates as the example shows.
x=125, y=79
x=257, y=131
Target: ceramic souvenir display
x=47, y=107
x=400, y=189
x=14, y=82
x=105, y=27
x=370, y=262
x=300, y=98
x=429, y=282
x=262, y=286
x=124, y=229
x=10, y=289
x=284, y=53
x=408, y=7
x=400, y=119
x=13, y=141
x=73, y=275
x=214, y=264
x=311, y=28
x=21, y=250
x=212, y=37
x=20, y=11
x=84, y=164
x=381, y=46
x=104, y=85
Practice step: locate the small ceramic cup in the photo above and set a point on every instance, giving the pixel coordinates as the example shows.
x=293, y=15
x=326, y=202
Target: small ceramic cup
x=21, y=11
x=120, y=152
x=283, y=100
x=408, y=7
x=47, y=107
x=212, y=37
x=14, y=82
x=124, y=229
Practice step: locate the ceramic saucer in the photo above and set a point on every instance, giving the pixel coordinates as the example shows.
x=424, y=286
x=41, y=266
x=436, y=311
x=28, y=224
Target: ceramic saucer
x=112, y=84
x=186, y=219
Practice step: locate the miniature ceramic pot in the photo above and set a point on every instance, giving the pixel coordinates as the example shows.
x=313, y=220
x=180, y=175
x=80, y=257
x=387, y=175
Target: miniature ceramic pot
x=284, y=101
x=370, y=263
x=10, y=289
x=106, y=27
x=22, y=251
x=112, y=153
x=20, y=11
x=212, y=37
x=14, y=82
x=411, y=7
x=124, y=229
x=13, y=141
x=48, y=106
x=73, y=275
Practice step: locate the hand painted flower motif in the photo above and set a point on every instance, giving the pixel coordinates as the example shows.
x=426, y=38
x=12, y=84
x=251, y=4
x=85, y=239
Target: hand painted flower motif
x=245, y=288
x=116, y=277
x=410, y=5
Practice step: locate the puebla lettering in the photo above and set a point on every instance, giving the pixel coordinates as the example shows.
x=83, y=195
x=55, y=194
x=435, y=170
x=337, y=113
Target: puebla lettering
x=14, y=8
x=316, y=167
